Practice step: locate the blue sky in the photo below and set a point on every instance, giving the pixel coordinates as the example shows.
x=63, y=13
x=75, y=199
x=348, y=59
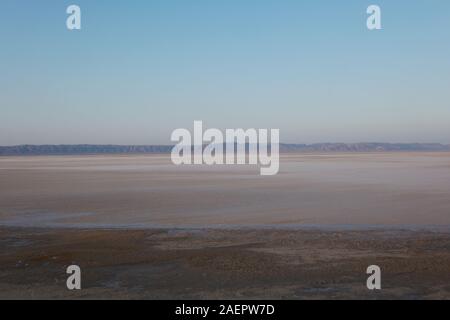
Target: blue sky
x=140, y=69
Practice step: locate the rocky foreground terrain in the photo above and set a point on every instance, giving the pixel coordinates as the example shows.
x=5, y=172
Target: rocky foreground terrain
x=223, y=264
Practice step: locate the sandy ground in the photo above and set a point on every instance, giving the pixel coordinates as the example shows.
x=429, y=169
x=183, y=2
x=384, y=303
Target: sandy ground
x=140, y=227
x=216, y=264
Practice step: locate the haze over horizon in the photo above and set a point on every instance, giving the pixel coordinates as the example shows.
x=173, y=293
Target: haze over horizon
x=137, y=71
x=281, y=143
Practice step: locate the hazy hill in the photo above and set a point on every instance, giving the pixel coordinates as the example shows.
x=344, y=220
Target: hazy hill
x=364, y=147
x=124, y=149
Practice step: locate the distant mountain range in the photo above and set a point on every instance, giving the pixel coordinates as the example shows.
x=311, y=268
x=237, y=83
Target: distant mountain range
x=28, y=150
x=364, y=147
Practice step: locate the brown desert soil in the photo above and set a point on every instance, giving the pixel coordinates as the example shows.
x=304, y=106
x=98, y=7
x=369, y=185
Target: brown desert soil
x=223, y=264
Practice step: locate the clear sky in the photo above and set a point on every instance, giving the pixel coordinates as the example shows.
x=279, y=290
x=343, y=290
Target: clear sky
x=140, y=69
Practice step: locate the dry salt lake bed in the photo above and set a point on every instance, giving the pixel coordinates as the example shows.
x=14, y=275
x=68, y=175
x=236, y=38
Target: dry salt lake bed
x=140, y=227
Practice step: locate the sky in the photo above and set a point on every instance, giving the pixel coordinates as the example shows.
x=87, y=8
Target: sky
x=137, y=70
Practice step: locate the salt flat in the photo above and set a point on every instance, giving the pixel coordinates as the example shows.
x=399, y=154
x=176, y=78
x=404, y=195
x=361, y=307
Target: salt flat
x=57, y=211
x=135, y=191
